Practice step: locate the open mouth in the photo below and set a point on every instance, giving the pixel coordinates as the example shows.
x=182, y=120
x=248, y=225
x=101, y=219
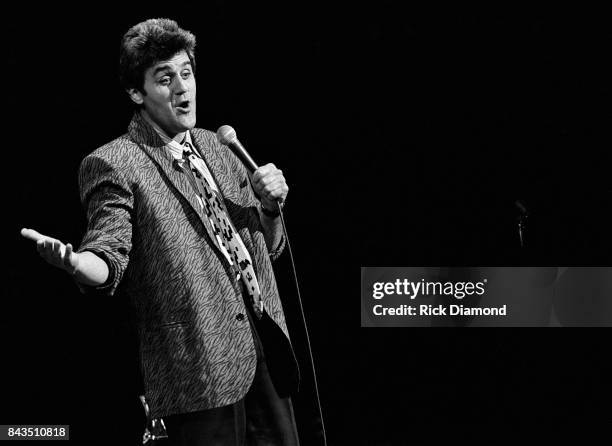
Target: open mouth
x=182, y=106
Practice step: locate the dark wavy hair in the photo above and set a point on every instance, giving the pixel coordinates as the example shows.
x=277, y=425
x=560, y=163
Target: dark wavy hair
x=150, y=42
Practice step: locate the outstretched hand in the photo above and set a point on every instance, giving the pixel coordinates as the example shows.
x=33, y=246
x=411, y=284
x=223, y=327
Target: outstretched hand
x=53, y=250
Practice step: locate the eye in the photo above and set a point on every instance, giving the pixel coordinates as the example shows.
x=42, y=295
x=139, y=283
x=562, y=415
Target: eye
x=164, y=80
x=186, y=74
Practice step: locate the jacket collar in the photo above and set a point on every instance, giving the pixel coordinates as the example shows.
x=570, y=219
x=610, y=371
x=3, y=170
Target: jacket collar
x=141, y=132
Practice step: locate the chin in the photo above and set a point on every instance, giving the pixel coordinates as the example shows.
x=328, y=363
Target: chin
x=187, y=124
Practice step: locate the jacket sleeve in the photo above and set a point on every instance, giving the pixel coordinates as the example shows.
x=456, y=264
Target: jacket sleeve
x=108, y=203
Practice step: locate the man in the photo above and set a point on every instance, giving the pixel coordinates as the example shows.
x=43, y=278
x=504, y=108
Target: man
x=174, y=223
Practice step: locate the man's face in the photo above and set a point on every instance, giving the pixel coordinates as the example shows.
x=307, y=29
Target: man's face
x=170, y=99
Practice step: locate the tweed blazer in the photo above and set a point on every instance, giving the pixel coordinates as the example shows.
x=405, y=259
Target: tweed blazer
x=144, y=220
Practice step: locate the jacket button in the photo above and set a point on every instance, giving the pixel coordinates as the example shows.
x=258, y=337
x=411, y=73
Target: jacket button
x=240, y=317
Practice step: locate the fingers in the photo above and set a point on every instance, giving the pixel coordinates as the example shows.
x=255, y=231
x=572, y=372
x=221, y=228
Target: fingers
x=67, y=254
x=265, y=171
x=269, y=182
x=51, y=250
x=45, y=247
x=31, y=234
x=271, y=197
x=57, y=250
x=274, y=191
x=67, y=260
x=40, y=246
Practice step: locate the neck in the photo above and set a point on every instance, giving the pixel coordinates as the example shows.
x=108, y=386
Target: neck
x=178, y=137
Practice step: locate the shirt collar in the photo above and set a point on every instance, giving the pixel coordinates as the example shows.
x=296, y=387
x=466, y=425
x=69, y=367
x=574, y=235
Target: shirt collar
x=175, y=147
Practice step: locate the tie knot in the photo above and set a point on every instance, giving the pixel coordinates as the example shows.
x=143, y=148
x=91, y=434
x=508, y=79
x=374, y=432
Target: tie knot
x=187, y=150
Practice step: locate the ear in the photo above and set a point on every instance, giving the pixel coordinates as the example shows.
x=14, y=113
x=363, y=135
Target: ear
x=135, y=95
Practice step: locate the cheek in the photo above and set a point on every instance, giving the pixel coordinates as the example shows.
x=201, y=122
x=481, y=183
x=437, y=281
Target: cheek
x=166, y=110
x=157, y=103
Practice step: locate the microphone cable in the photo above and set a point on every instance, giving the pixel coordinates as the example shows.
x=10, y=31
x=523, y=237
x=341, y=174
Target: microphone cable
x=299, y=299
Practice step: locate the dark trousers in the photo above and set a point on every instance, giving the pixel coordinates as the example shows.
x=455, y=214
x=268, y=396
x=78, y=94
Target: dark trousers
x=262, y=417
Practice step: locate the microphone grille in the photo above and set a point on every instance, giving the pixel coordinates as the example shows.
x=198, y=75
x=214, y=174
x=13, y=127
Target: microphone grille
x=226, y=134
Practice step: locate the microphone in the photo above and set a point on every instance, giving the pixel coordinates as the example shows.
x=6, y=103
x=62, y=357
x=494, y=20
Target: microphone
x=227, y=135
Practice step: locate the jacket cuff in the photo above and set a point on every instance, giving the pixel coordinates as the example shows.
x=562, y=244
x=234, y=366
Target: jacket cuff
x=113, y=253
x=276, y=252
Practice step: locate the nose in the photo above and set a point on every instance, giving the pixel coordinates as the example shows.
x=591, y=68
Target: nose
x=180, y=85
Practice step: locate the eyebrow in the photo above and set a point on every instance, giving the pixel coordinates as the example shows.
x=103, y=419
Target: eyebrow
x=168, y=66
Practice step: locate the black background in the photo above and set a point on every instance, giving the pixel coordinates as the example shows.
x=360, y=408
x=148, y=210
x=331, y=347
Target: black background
x=406, y=137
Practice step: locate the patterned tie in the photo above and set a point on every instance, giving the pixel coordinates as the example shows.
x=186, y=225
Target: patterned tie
x=221, y=230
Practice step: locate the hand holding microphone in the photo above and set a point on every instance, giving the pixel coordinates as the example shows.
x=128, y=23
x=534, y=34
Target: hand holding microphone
x=268, y=181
